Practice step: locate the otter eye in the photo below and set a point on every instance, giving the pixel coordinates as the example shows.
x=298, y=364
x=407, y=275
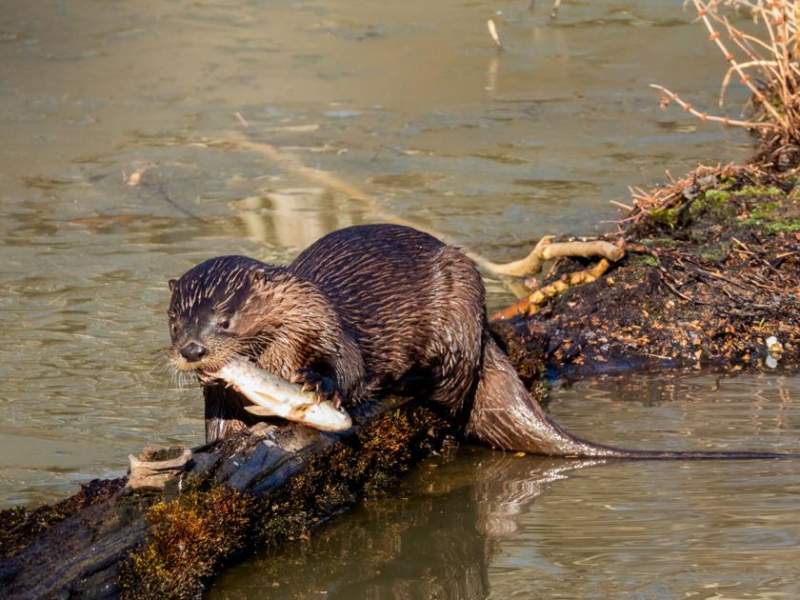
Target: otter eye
x=223, y=324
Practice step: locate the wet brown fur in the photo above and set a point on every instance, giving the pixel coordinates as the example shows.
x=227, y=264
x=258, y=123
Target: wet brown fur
x=370, y=310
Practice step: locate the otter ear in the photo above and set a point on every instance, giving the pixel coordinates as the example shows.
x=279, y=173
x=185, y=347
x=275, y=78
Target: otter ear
x=172, y=283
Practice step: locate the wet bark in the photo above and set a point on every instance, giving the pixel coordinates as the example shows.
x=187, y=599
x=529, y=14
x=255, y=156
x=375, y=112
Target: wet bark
x=253, y=489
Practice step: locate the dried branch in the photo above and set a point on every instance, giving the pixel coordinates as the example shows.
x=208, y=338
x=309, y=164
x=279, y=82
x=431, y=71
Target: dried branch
x=765, y=63
x=670, y=96
x=546, y=250
x=530, y=305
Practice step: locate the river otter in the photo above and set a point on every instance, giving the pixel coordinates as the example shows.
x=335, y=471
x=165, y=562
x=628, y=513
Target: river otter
x=370, y=310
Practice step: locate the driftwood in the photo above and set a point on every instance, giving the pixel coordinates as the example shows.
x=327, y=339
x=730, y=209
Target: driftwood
x=264, y=484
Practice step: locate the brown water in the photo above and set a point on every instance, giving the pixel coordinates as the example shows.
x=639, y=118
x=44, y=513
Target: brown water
x=492, y=525
x=412, y=103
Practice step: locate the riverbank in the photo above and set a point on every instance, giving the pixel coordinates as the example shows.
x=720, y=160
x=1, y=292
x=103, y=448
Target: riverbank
x=712, y=272
x=711, y=278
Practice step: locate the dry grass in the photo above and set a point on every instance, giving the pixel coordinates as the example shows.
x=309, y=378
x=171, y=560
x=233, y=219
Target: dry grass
x=765, y=62
x=667, y=198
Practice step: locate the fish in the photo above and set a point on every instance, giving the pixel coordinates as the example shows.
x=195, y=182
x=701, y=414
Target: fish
x=274, y=396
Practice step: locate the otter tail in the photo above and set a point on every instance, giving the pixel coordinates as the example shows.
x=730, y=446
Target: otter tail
x=505, y=416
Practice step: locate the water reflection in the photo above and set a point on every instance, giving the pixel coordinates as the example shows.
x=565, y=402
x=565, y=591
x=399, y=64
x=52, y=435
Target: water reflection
x=490, y=525
x=436, y=541
x=294, y=217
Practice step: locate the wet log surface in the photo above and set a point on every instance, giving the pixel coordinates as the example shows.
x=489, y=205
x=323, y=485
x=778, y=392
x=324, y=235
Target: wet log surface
x=254, y=489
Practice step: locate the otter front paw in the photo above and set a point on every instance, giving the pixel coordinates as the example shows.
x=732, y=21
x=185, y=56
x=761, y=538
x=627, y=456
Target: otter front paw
x=322, y=385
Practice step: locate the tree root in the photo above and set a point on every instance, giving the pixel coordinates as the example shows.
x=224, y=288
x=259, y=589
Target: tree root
x=530, y=305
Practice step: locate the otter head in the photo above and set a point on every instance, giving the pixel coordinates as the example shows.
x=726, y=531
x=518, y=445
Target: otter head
x=211, y=313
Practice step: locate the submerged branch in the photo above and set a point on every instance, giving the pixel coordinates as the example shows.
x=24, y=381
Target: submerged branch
x=544, y=250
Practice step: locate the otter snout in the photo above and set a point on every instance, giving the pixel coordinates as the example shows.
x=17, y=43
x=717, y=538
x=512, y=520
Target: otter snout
x=194, y=352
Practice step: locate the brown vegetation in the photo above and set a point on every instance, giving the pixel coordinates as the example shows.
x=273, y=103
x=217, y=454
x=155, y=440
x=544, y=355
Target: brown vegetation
x=764, y=62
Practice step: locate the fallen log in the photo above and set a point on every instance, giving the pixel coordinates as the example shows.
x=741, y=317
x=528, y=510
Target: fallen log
x=260, y=486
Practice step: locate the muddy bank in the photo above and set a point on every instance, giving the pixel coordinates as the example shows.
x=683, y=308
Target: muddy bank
x=712, y=273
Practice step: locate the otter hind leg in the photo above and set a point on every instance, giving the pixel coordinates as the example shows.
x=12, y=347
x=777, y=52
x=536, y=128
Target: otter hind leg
x=505, y=417
x=456, y=335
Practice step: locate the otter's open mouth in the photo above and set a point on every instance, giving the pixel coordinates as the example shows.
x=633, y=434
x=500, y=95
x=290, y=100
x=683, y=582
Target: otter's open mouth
x=273, y=396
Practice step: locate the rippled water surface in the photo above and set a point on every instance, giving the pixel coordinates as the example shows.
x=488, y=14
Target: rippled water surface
x=492, y=525
x=410, y=103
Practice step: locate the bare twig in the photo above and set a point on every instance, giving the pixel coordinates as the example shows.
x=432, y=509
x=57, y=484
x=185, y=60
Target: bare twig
x=765, y=63
x=493, y=33
x=670, y=96
x=530, y=305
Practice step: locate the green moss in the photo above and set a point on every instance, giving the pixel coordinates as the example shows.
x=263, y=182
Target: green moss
x=782, y=226
x=717, y=196
x=714, y=202
x=666, y=216
x=191, y=536
x=764, y=210
x=714, y=254
x=758, y=190
x=765, y=217
x=658, y=242
x=647, y=260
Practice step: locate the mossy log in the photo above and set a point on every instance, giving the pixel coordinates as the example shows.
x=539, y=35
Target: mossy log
x=251, y=490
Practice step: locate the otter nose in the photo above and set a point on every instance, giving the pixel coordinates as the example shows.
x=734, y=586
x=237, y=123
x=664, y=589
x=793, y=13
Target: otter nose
x=193, y=351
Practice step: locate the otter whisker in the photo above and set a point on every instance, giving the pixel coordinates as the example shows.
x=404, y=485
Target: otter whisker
x=161, y=368
x=183, y=379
